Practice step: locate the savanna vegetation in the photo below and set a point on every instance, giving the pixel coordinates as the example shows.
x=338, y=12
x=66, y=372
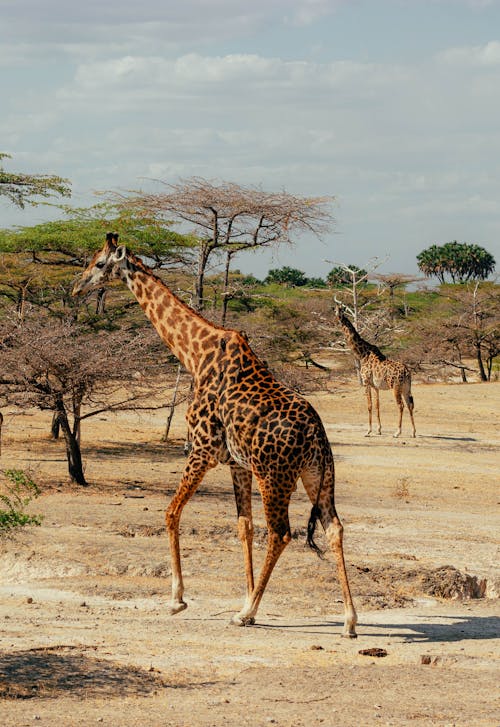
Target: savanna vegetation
x=76, y=358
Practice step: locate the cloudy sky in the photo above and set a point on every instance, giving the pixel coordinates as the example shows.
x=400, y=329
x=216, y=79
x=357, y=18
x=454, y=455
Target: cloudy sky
x=392, y=106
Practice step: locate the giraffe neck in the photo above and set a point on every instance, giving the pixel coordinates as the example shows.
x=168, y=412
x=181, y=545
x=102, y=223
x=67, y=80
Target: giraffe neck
x=361, y=348
x=187, y=334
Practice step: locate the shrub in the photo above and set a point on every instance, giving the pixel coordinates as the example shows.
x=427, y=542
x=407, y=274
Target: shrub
x=20, y=491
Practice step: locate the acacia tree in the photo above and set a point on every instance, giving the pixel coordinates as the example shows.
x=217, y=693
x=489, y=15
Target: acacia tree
x=392, y=282
x=56, y=365
x=227, y=217
x=20, y=189
x=465, y=333
x=39, y=261
x=460, y=260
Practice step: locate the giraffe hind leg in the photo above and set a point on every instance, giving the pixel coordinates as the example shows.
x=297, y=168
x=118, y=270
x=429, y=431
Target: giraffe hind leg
x=324, y=509
x=377, y=409
x=242, y=483
x=410, y=404
x=400, y=405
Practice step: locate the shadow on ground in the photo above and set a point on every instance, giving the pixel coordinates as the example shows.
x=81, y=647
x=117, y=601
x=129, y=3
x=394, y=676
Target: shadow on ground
x=52, y=672
x=445, y=629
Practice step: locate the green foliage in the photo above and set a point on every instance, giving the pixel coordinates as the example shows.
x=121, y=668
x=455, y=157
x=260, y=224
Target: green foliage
x=21, y=188
x=316, y=283
x=460, y=260
x=20, y=491
x=83, y=232
x=292, y=278
x=339, y=276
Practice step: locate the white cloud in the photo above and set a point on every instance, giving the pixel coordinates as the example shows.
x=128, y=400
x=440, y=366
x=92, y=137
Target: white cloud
x=122, y=94
x=473, y=56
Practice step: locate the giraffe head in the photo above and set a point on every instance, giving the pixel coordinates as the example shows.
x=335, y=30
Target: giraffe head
x=104, y=266
x=339, y=310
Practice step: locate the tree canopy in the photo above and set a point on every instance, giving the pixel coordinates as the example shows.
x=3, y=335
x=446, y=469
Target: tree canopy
x=229, y=218
x=20, y=189
x=460, y=260
x=291, y=277
x=342, y=275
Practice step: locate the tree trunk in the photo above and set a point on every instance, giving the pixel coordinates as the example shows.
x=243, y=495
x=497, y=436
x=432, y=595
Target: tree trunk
x=73, y=452
x=172, y=405
x=1, y=423
x=199, y=282
x=225, y=293
x=55, y=425
x=482, y=373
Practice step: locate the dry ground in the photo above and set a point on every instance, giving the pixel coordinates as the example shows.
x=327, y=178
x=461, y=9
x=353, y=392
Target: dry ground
x=85, y=637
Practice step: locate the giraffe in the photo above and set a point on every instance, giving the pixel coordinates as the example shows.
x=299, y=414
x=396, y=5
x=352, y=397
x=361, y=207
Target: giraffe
x=378, y=372
x=241, y=416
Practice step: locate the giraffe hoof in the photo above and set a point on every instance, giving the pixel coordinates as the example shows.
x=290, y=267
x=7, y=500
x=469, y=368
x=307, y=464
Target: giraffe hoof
x=177, y=608
x=242, y=620
x=350, y=635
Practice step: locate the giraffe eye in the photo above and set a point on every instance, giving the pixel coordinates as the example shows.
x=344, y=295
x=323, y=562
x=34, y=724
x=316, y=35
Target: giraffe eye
x=99, y=265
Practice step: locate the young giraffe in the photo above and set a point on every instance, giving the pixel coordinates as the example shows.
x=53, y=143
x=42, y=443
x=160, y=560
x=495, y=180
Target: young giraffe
x=240, y=416
x=378, y=372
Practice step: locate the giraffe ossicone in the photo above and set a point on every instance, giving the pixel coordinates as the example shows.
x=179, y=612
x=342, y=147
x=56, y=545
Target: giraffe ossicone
x=241, y=416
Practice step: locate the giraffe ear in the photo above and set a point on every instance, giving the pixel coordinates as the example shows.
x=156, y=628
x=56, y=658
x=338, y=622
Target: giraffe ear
x=120, y=253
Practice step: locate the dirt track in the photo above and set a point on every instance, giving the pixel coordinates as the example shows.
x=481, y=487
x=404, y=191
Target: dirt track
x=85, y=634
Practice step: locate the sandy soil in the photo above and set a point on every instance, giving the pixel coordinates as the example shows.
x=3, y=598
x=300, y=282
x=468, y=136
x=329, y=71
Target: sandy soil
x=85, y=636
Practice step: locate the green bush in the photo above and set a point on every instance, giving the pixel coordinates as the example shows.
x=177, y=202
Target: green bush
x=20, y=491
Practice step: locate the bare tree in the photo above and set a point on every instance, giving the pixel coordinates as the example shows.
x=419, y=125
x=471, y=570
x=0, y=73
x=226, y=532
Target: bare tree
x=227, y=217
x=464, y=332
x=359, y=278
x=56, y=365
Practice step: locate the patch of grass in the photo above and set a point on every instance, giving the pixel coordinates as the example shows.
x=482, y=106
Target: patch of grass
x=20, y=490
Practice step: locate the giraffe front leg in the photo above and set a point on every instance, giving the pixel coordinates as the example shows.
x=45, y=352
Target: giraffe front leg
x=368, y=393
x=279, y=536
x=194, y=471
x=276, y=544
x=177, y=603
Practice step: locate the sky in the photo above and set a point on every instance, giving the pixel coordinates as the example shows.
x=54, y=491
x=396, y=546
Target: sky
x=392, y=107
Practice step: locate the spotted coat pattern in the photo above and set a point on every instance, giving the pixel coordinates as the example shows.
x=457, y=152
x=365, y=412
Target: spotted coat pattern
x=240, y=416
x=378, y=372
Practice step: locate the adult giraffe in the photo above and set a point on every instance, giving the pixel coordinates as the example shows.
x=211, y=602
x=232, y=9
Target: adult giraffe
x=240, y=416
x=378, y=372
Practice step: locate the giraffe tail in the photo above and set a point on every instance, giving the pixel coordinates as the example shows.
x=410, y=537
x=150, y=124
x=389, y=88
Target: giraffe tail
x=311, y=529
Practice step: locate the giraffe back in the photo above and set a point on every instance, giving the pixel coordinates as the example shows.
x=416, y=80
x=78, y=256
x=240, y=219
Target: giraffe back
x=268, y=428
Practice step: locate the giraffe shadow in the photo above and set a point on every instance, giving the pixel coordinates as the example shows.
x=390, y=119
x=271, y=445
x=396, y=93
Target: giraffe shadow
x=445, y=629
x=449, y=438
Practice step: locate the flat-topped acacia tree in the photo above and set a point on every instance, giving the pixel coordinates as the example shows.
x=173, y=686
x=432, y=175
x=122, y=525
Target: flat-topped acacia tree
x=227, y=218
